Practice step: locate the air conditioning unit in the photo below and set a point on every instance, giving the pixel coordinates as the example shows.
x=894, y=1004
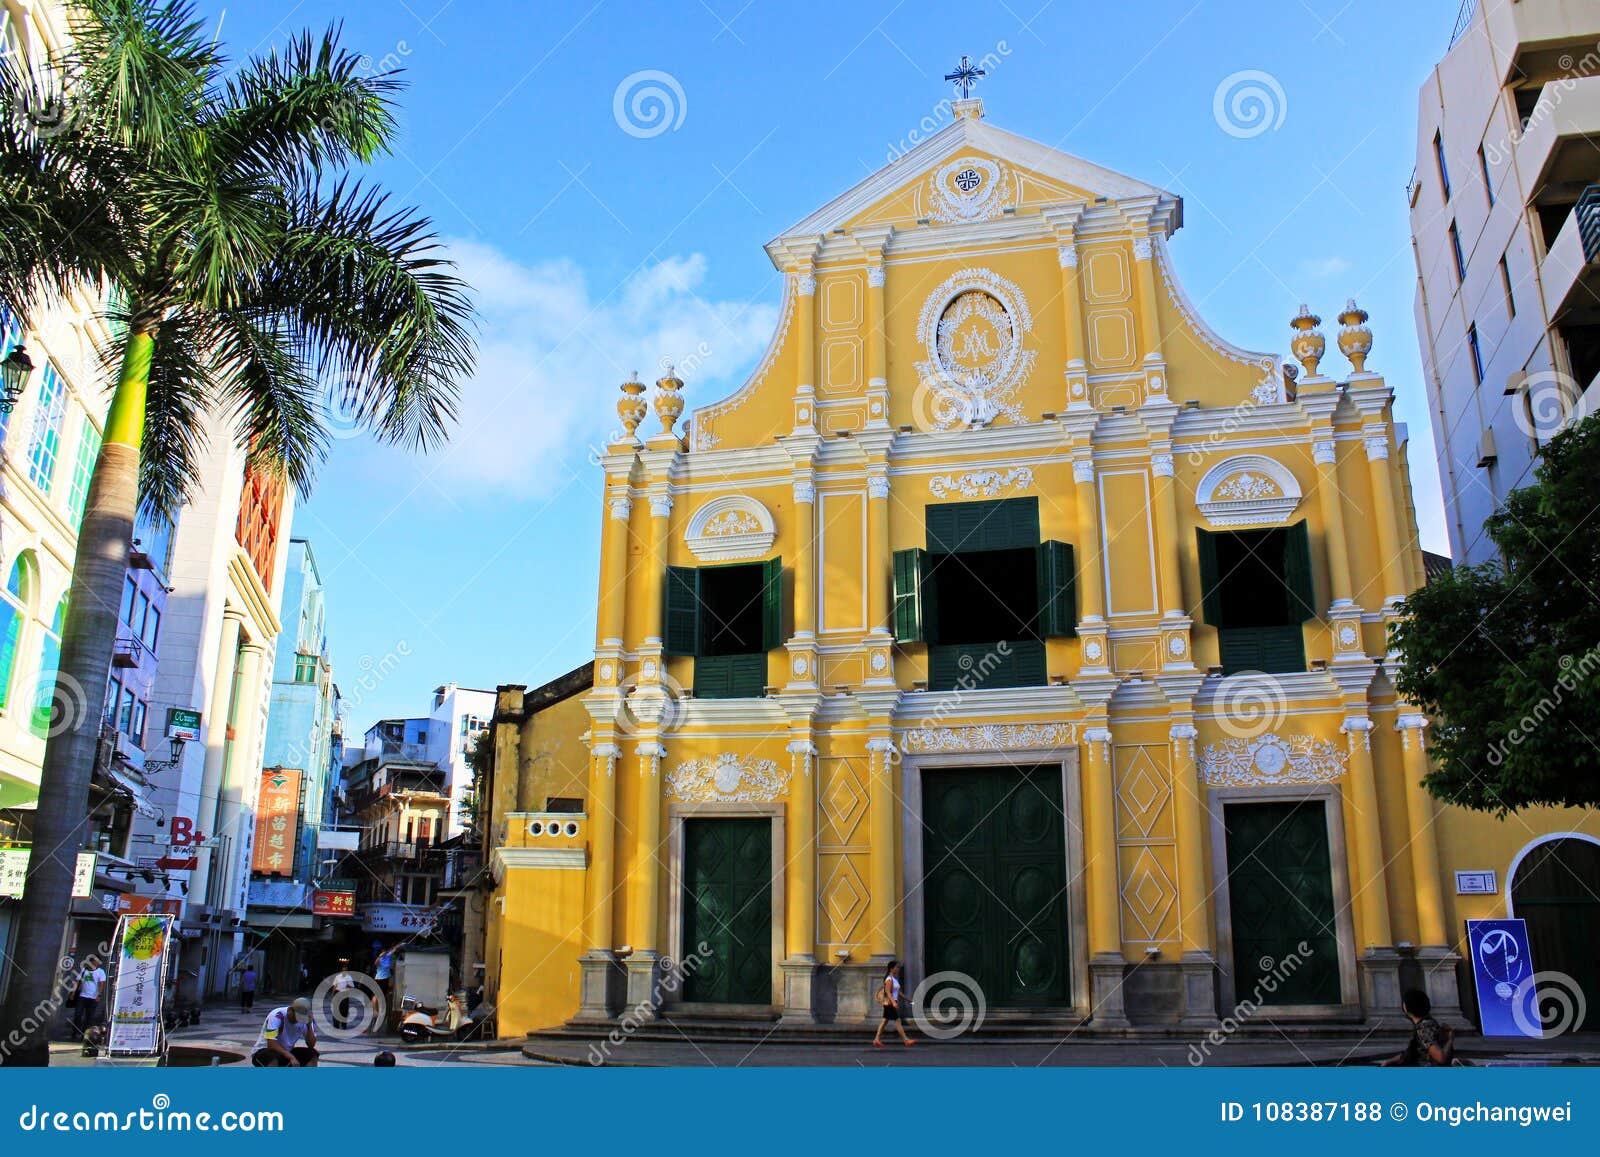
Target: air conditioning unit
x=1487, y=454
x=1516, y=382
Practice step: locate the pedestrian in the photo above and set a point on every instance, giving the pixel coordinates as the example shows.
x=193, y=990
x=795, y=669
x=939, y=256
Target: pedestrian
x=889, y=997
x=383, y=973
x=247, y=988
x=86, y=1004
x=305, y=977
x=343, y=1006
x=288, y=1039
x=1432, y=1045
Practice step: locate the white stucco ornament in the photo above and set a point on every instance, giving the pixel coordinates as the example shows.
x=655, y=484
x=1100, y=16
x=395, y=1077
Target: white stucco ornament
x=973, y=329
x=991, y=737
x=968, y=189
x=980, y=483
x=727, y=778
x=1248, y=490
x=1271, y=759
x=1092, y=650
x=731, y=527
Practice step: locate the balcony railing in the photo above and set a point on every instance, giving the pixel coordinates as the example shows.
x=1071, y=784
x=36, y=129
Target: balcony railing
x=1587, y=212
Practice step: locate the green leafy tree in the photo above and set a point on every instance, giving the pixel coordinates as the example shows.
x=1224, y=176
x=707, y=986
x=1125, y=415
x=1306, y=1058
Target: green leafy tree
x=1506, y=656
x=252, y=274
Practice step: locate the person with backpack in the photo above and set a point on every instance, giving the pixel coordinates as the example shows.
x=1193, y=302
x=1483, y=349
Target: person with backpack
x=888, y=996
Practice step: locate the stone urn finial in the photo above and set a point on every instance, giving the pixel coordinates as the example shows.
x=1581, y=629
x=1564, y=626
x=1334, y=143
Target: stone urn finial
x=631, y=406
x=669, y=399
x=1355, y=339
x=1308, y=344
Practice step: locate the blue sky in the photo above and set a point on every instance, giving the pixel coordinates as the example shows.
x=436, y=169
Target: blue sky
x=598, y=251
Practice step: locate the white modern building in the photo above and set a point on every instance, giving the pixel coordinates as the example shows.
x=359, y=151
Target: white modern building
x=1505, y=226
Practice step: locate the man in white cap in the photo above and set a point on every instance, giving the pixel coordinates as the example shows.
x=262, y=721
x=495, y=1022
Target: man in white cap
x=287, y=1038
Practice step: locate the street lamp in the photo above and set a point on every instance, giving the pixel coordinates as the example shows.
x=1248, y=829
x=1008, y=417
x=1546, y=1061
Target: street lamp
x=14, y=373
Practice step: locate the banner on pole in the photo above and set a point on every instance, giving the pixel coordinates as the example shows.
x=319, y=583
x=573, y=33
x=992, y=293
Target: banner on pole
x=142, y=946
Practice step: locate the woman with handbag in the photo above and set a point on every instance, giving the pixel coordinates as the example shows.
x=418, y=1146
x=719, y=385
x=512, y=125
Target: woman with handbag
x=888, y=996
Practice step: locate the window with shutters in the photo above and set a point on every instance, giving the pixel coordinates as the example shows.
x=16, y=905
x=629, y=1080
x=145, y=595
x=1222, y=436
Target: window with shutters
x=726, y=618
x=1256, y=590
x=984, y=595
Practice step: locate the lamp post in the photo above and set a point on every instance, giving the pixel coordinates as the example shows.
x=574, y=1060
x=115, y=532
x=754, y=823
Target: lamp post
x=14, y=373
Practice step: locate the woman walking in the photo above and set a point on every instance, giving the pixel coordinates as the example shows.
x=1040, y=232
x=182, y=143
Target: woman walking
x=889, y=997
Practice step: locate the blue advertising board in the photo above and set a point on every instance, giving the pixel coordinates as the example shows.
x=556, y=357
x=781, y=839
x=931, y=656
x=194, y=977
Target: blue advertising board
x=1502, y=965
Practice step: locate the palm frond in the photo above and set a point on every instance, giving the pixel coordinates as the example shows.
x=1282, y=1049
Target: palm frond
x=379, y=307
x=144, y=66
x=310, y=106
x=265, y=389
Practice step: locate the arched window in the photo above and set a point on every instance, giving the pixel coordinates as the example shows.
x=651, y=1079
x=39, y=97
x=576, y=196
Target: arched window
x=47, y=427
x=49, y=665
x=15, y=602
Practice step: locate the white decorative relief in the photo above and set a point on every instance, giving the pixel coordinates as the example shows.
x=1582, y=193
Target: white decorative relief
x=621, y=508
x=877, y=486
x=1358, y=726
x=875, y=276
x=805, y=284
x=660, y=505
x=1141, y=249
x=1322, y=452
x=1377, y=447
x=991, y=737
x=1068, y=256
x=1161, y=465
x=1271, y=760
x=980, y=483
x=805, y=491
x=730, y=527
x=727, y=778
x=1183, y=737
x=1269, y=390
x=1083, y=470
x=972, y=328
x=968, y=189
x=1248, y=490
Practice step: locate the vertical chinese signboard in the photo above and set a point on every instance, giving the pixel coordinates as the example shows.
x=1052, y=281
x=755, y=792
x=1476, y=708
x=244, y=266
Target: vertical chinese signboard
x=143, y=942
x=277, y=822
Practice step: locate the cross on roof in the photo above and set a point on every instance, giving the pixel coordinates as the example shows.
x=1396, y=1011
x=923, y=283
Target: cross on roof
x=965, y=76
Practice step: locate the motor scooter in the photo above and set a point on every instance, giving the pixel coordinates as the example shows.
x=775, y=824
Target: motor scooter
x=421, y=1023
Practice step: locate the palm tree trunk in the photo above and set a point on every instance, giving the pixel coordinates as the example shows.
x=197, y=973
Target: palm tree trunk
x=39, y=982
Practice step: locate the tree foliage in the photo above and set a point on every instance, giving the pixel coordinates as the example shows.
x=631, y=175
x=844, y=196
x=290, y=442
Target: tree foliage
x=1506, y=655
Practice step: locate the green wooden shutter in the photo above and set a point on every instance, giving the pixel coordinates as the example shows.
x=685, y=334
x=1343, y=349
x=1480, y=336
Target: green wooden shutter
x=913, y=620
x=1058, y=593
x=771, y=604
x=1210, y=582
x=1297, y=572
x=993, y=524
x=680, y=634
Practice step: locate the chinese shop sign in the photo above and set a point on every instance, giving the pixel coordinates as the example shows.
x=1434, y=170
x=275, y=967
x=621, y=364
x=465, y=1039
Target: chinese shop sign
x=277, y=822
x=333, y=903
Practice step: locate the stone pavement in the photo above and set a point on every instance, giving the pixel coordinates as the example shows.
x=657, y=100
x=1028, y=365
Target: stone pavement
x=1255, y=1048
x=232, y=1033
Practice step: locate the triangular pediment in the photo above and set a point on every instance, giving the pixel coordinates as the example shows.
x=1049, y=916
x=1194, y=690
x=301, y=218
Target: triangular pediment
x=927, y=182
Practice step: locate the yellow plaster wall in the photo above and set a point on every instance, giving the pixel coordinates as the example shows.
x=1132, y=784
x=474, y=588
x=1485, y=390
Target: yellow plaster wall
x=536, y=941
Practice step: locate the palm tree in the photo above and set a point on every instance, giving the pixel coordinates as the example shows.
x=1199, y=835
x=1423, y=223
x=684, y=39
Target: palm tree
x=250, y=272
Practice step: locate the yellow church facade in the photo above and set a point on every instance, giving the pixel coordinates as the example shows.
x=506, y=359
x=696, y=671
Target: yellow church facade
x=1007, y=621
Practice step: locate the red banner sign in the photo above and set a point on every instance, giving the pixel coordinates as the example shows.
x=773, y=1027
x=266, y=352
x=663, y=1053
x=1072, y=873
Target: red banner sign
x=333, y=903
x=130, y=903
x=277, y=822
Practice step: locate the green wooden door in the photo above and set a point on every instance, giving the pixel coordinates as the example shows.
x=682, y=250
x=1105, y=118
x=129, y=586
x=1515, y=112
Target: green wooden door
x=1557, y=891
x=727, y=906
x=1280, y=894
x=995, y=882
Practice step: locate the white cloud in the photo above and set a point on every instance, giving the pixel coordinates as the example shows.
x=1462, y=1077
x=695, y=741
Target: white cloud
x=552, y=352
x=1323, y=267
